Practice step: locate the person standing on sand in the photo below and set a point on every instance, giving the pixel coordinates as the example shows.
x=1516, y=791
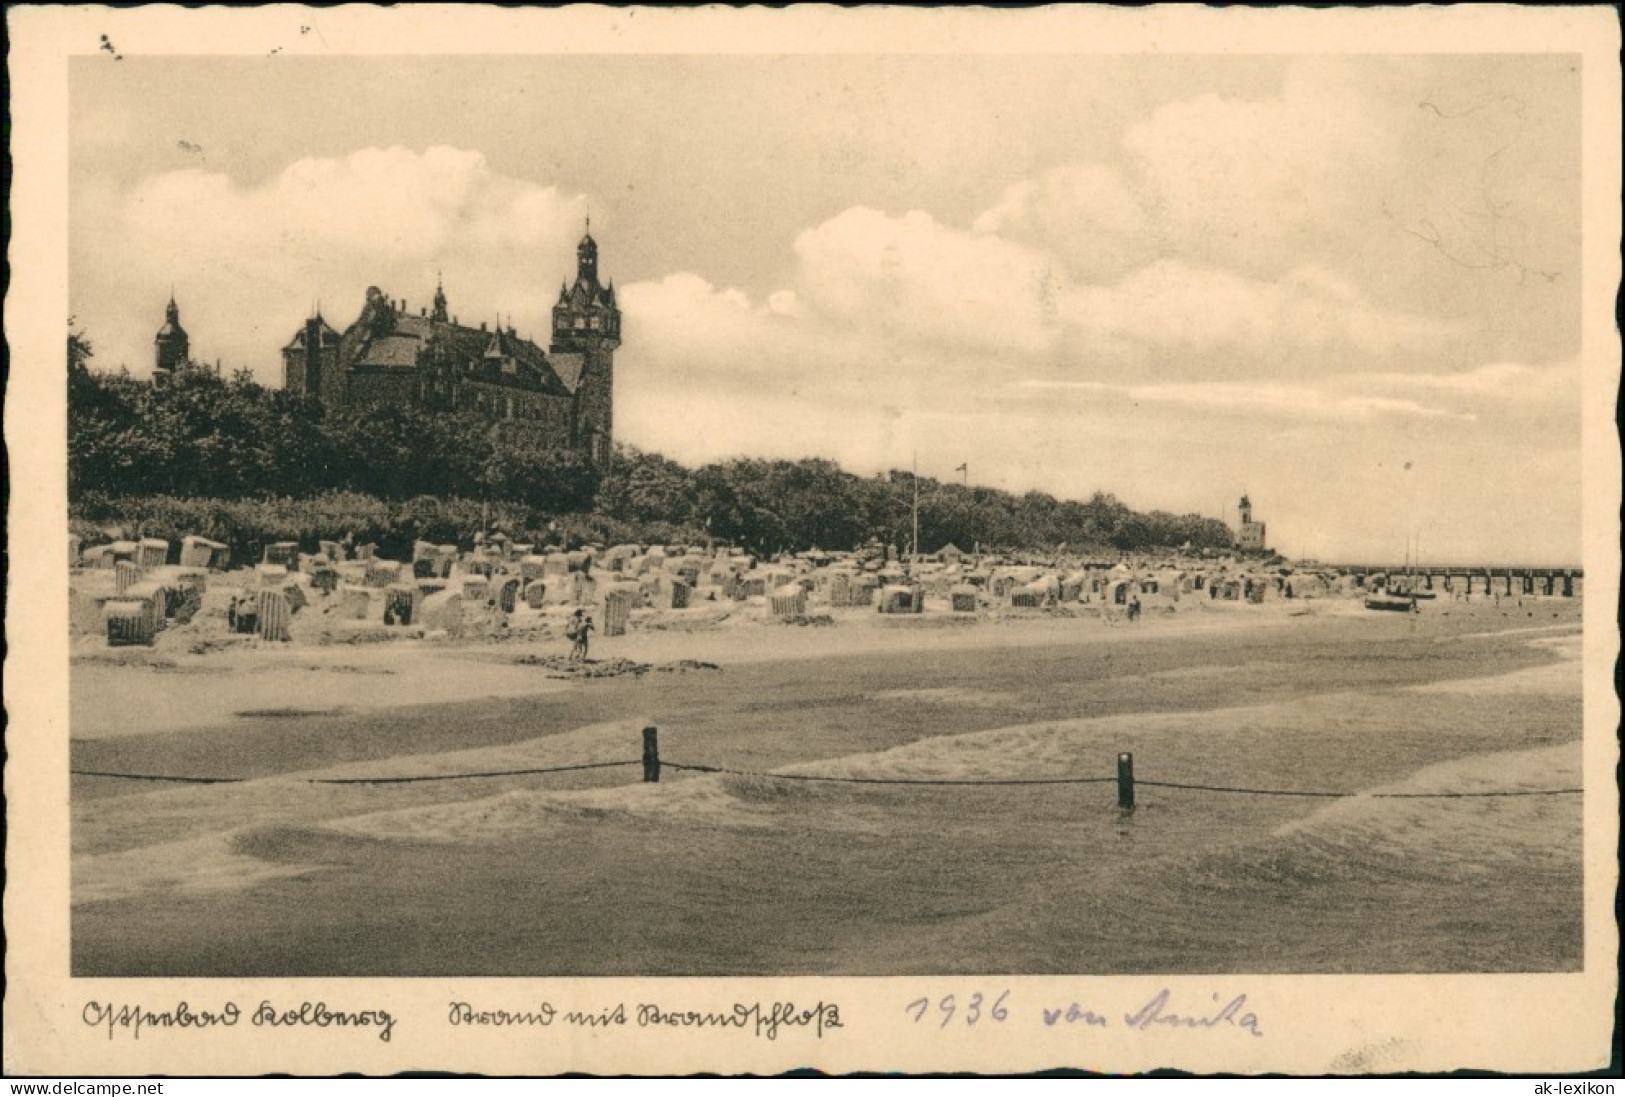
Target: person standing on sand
x=579, y=628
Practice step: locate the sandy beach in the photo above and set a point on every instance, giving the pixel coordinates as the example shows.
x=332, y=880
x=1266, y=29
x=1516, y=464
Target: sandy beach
x=592, y=871
x=130, y=691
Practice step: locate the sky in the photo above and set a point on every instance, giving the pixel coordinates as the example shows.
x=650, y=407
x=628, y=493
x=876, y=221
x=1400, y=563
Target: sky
x=1347, y=286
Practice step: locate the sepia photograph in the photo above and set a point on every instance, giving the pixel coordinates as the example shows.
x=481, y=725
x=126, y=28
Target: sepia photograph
x=761, y=513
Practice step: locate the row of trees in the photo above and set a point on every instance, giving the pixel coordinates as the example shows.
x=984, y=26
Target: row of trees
x=201, y=436
x=774, y=506
x=204, y=435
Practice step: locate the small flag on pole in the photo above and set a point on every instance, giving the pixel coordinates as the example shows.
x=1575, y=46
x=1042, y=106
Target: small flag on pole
x=961, y=468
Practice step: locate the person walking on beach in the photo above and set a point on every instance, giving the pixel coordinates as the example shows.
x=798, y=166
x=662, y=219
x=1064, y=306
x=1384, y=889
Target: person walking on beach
x=579, y=628
x=1134, y=608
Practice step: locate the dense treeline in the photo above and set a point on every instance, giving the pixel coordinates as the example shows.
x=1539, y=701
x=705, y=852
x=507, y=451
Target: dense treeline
x=792, y=505
x=204, y=435
x=228, y=458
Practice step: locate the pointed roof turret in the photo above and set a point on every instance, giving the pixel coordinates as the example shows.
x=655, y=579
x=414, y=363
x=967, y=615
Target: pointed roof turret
x=172, y=348
x=496, y=349
x=172, y=319
x=439, y=315
x=587, y=257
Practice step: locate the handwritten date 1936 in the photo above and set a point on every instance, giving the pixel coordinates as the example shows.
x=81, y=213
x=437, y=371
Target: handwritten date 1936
x=974, y=1009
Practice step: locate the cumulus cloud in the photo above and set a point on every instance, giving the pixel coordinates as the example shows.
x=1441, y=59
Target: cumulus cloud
x=1300, y=323
x=1251, y=182
x=247, y=263
x=1090, y=215
x=1443, y=197
x=910, y=278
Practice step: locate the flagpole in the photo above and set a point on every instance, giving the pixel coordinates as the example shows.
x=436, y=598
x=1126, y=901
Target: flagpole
x=914, y=546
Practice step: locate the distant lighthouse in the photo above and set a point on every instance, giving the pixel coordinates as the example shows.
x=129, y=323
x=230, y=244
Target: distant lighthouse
x=1249, y=534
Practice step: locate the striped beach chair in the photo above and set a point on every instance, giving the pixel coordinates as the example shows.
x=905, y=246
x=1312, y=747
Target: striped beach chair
x=126, y=574
x=273, y=616
x=618, y=603
x=535, y=594
x=383, y=573
x=153, y=553
x=789, y=600
x=128, y=622
x=401, y=604
x=508, y=596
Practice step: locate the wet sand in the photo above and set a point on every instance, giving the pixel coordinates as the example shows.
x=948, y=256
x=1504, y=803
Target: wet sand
x=593, y=872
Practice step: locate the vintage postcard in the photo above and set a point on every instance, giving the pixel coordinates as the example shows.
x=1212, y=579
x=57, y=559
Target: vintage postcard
x=644, y=541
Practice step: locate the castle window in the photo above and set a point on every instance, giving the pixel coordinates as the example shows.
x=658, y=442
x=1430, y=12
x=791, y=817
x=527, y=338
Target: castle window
x=581, y=323
x=593, y=323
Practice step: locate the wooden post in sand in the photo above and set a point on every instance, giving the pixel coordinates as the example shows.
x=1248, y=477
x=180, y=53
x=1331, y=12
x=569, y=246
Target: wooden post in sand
x=651, y=754
x=1125, y=782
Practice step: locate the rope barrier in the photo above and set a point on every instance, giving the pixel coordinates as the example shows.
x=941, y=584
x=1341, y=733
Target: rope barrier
x=1350, y=795
x=890, y=780
x=835, y=779
x=1472, y=795
x=159, y=777
x=1142, y=783
x=1108, y=780
x=462, y=776
x=354, y=780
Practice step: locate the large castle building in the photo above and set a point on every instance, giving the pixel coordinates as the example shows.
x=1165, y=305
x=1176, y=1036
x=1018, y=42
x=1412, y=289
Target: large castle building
x=430, y=360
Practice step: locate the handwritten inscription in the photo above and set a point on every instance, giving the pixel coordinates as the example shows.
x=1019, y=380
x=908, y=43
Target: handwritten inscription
x=1161, y=1012
x=1075, y=1014
x=971, y=1011
x=757, y=1018
x=131, y=1020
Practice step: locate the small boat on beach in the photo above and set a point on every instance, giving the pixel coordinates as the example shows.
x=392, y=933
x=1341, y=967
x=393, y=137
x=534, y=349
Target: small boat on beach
x=1393, y=603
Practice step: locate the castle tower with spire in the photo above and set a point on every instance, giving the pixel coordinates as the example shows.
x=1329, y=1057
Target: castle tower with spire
x=172, y=346
x=586, y=331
